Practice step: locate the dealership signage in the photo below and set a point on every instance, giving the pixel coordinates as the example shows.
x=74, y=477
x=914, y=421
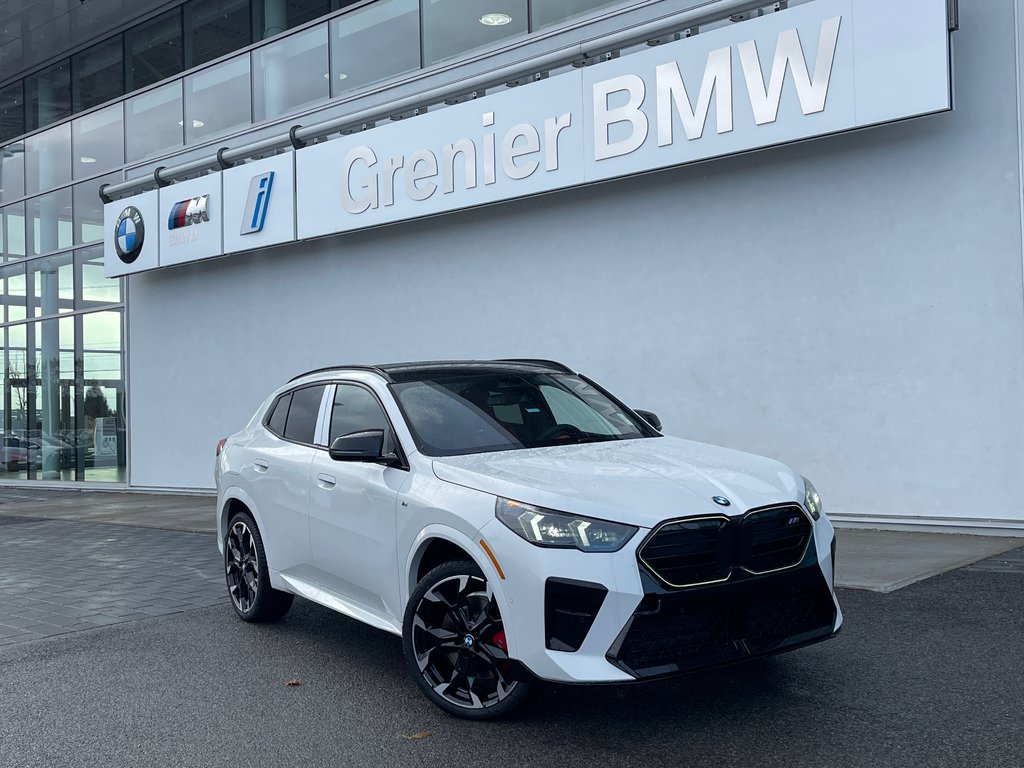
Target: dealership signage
x=813, y=70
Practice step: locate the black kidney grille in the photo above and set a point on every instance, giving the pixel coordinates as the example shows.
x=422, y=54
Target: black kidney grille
x=774, y=538
x=689, y=552
x=703, y=550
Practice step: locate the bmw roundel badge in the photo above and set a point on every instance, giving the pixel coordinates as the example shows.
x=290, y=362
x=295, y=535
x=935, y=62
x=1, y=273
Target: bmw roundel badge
x=721, y=501
x=129, y=234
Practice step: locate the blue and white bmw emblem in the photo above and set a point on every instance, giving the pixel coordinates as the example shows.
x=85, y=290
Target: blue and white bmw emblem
x=721, y=501
x=129, y=234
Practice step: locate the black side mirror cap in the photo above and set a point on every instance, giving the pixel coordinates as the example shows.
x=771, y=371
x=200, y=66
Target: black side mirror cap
x=358, y=446
x=650, y=417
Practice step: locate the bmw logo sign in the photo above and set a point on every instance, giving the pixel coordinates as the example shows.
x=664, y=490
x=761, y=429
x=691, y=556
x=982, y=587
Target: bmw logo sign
x=129, y=234
x=721, y=501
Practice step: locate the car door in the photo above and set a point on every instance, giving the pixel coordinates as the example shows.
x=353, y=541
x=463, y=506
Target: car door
x=275, y=467
x=352, y=508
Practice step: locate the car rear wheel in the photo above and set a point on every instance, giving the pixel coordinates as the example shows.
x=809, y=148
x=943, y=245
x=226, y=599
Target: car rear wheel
x=245, y=567
x=455, y=646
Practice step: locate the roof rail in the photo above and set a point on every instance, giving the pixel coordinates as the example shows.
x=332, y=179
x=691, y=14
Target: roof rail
x=537, y=361
x=369, y=368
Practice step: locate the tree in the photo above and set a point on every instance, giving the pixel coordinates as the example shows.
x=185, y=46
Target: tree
x=96, y=403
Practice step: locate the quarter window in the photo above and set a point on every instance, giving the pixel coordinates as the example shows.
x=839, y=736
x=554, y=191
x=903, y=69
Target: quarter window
x=279, y=414
x=301, y=424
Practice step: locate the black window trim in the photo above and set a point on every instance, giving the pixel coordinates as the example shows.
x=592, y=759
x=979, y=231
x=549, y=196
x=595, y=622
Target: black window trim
x=289, y=392
x=402, y=455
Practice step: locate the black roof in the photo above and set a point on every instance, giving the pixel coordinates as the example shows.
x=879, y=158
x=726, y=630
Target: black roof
x=405, y=370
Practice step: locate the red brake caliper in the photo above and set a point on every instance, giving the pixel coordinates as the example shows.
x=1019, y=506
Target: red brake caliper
x=499, y=640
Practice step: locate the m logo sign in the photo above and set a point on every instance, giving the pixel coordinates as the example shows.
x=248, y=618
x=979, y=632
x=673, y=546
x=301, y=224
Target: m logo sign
x=188, y=212
x=255, y=213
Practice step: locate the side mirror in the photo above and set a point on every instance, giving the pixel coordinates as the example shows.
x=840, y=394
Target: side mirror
x=650, y=417
x=365, y=446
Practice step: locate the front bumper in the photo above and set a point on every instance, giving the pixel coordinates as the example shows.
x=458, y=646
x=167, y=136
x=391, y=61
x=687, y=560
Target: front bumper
x=644, y=629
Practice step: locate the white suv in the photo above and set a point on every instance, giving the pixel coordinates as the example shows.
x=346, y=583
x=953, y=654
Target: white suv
x=511, y=520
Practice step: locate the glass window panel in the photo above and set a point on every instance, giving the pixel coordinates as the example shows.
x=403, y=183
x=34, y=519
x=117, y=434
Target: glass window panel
x=373, y=43
x=101, y=344
x=216, y=28
x=548, y=12
x=99, y=74
x=153, y=122
x=48, y=159
x=88, y=208
x=285, y=73
x=153, y=50
x=273, y=17
x=13, y=226
x=49, y=222
x=94, y=287
x=12, y=286
x=454, y=27
x=101, y=428
x=53, y=285
x=98, y=141
x=12, y=111
x=12, y=171
x=48, y=95
x=217, y=99
x=51, y=456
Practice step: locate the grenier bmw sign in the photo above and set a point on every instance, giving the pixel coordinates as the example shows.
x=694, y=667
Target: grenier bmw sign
x=809, y=71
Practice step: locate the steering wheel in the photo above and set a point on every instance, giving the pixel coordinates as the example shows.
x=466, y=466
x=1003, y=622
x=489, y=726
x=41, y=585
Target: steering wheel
x=560, y=432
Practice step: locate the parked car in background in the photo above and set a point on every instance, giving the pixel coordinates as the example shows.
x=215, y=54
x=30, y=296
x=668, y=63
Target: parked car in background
x=512, y=520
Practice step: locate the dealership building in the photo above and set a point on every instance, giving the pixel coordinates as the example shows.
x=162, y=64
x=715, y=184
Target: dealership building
x=789, y=228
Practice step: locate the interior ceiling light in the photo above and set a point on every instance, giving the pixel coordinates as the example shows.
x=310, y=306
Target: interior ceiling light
x=195, y=123
x=495, y=19
x=87, y=159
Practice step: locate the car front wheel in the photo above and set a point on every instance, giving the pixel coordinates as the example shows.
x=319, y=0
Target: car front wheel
x=455, y=646
x=245, y=567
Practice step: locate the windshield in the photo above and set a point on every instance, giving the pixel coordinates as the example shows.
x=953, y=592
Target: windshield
x=452, y=413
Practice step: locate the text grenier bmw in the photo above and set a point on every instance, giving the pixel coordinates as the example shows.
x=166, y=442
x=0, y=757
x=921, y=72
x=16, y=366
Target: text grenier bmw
x=790, y=228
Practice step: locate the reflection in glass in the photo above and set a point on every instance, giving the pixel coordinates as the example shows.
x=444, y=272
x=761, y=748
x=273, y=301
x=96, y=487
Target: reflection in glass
x=49, y=222
x=548, y=12
x=373, y=43
x=99, y=74
x=12, y=292
x=215, y=28
x=153, y=121
x=48, y=95
x=153, y=50
x=52, y=284
x=272, y=17
x=48, y=159
x=12, y=171
x=453, y=27
x=285, y=73
x=93, y=286
x=217, y=99
x=88, y=208
x=12, y=111
x=98, y=141
x=51, y=401
x=12, y=222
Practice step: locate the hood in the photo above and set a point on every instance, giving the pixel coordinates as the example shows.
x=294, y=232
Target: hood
x=640, y=482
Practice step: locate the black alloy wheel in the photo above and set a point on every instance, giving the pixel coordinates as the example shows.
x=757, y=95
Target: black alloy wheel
x=245, y=567
x=455, y=644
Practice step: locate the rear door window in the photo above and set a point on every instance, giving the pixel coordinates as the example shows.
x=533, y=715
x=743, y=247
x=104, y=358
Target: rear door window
x=279, y=414
x=305, y=407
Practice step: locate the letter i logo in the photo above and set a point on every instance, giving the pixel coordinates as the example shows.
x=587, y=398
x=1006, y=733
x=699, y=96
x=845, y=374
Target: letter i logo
x=255, y=214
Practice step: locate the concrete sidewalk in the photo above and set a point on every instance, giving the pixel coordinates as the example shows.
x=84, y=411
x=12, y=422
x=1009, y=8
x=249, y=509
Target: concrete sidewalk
x=875, y=560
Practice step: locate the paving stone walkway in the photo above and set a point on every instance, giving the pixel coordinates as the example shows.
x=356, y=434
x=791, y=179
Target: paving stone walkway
x=59, y=576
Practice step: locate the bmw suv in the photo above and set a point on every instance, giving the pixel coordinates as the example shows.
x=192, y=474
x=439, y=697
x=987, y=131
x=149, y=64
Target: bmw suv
x=511, y=520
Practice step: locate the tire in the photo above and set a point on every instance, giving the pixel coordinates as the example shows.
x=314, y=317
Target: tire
x=245, y=570
x=455, y=647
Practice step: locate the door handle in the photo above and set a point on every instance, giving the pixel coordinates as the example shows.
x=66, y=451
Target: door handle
x=326, y=481
x=260, y=465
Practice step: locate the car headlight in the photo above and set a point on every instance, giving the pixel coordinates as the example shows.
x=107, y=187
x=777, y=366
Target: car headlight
x=812, y=501
x=548, y=528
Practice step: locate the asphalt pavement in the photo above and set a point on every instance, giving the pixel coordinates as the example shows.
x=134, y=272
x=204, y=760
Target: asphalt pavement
x=928, y=675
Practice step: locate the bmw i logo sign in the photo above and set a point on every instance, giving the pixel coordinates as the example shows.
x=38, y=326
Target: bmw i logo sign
x=721, y=501
x=129, y=234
